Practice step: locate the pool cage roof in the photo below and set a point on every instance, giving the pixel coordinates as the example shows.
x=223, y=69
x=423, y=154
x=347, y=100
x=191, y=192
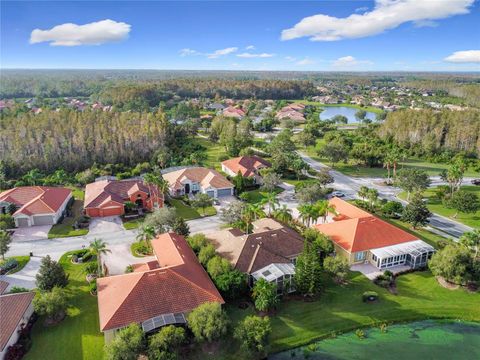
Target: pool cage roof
x=162, y=320
x=274, y=271
x=413, y=248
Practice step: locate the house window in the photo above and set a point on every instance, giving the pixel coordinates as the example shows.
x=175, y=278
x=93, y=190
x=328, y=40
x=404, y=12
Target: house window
x=374, y=257
x=359, y=256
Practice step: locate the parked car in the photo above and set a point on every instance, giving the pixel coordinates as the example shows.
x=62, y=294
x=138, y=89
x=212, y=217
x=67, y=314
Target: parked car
x=476, y=182
x=338, y=194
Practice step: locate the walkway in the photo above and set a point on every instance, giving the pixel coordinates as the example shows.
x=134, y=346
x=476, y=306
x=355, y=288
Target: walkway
x=26, y=277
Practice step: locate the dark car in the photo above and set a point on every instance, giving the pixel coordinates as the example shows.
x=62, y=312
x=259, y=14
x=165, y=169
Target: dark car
x=476, y=182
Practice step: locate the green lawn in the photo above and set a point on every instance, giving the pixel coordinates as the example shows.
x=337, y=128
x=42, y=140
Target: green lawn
x=189, y=213
x=77, y=192
x=132, y=224
x=78, y=336
x=22, y=261
x=340, y=309
x=65, y=228
x=351, y=168
x=436, y=206
x=214, y=152
x=256, y=196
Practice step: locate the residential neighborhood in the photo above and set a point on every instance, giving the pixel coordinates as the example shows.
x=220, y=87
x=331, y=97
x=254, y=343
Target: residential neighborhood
x=228, y=180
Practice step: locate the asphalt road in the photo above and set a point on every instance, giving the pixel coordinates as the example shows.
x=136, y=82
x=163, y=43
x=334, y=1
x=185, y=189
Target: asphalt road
x=350, y=186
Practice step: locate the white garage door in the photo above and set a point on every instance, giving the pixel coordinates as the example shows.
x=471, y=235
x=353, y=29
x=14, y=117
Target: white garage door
x=22, y=222
x=43, y=220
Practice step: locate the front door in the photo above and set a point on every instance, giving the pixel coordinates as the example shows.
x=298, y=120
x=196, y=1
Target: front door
x=187, y=188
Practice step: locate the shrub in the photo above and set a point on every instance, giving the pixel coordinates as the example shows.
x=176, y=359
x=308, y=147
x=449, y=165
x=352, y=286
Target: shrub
x=197, y=242
x=50, y=274
x=369, y=296
x=129, y=269
x=208, y=322
x=217, y=266
x=253, y=334
x=164, y=344
x=360, y=334
x=8, y=265
x=6, y=222
x=127, y=344
x=93, y=287
x=206, y=253
x=52, y=304
x=18, y=289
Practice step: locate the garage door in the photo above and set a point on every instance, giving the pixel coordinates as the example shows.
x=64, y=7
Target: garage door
x=111, y=212
x=43, y=220
x=224, y=192
x=211, y=193
x=22, y=222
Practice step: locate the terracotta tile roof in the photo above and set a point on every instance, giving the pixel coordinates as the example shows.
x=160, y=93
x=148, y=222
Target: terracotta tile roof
x=179, y=285
x=356, y=230
x=12, y=309
x=33, y=200
x=119, y=191
x=3, y=286
x=268, y=247
x=345, y=210
x=233, y=112
x=247, y=165
x=205, y=177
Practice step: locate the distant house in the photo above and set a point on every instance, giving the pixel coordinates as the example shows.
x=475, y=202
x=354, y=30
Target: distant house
x=108, y=197
x=158, y=293
x=362, y=237
x=15, y=312
x=233, y=112
x=192, y=180
x=248, y=166
x=269, y=253
x=216, y=106
x=35, y=205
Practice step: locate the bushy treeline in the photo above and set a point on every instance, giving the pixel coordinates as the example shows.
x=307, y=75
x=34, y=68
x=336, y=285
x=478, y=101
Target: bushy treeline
x=73, y=141
x=429, y=132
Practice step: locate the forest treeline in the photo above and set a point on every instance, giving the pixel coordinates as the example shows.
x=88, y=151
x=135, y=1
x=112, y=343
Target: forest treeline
x=73, y=140
x=428, y=132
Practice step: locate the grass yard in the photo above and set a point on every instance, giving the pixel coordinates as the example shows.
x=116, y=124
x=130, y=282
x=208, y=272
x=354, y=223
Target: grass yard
x=340, y=309
x=214, y=152
x=356, y=170
x=65, y=228
x=256, y=196
x=189, y=213
x=76, y=337
x=22, y=261
x=436, y=206
x=132, y=224
x=77, y=192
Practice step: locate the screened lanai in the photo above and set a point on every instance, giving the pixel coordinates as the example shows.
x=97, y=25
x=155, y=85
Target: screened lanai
x=163, y=320
x=280, y=274
x=414, y=254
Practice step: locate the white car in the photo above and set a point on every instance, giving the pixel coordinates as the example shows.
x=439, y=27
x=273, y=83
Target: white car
x=338, y=194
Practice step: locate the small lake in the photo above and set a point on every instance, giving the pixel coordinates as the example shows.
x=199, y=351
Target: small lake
x=439, y=340
x=349, y=112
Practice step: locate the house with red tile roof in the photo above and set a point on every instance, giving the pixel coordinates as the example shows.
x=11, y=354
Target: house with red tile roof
x=248, y=166
x=108, y=197
x=35, y=205
x=157, y=293
x=15, y=312
x=233, y=112
x=362, y=237
x=193, y=180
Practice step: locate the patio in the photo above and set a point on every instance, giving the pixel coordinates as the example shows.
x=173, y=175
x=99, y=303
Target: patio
x=372, y=272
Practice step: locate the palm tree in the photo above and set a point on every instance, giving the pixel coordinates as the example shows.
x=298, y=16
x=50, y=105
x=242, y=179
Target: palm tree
x=272, y=201
x=372, y=196
x=305, y=211
x=252, y=212
x=324, y=208
x=283, y=214
x=387, y=163
x=147, y=233
x=98, y=247
x=363, y=192
x=158, y=181
x=471, y=240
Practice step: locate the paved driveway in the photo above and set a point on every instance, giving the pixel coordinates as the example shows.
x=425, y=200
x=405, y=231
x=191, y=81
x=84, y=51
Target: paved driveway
x=31, y=233
x=24, y=278
x=104, y=225
x=120, y=257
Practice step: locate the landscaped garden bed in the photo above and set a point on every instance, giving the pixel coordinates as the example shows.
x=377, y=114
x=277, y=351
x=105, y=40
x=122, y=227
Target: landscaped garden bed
x=13, y=264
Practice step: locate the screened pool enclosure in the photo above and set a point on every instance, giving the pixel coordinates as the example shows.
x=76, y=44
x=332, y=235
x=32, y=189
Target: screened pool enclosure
x=414, y=254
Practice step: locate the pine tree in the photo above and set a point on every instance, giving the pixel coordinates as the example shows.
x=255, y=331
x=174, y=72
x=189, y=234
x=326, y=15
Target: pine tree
x=308, y=271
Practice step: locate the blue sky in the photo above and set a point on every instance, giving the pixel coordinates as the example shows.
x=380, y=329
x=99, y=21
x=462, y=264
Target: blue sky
x=243, y=35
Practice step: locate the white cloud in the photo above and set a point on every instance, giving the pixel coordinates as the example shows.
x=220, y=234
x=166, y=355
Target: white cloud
x=349, y=61
x=222, y=52
x=361, y=9
x=250, y=47
x=251, y=55
x=305, y=61
x=387, y=14
x=188, y=52
x=290, y=58
x=466, y=56
x=95, y=33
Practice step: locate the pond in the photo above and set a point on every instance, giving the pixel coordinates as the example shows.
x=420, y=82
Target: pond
x=349, y=112
x=428, y=339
